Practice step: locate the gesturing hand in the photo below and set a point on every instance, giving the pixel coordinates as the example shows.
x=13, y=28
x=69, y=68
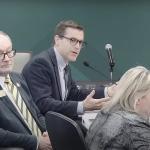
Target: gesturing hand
x=92, y=104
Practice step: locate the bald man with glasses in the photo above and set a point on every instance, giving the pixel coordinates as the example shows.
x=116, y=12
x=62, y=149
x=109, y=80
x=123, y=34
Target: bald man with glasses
x=22, y=126
x=49, y=76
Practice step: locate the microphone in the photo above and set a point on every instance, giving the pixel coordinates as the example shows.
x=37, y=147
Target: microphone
x=108, y=48
x=87, y=64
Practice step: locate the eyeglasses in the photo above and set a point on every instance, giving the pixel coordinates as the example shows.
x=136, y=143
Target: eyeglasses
x=74, y=41
x=10, y=54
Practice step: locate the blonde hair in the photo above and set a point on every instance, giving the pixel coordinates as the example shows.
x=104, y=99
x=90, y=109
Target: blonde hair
x=134, y=84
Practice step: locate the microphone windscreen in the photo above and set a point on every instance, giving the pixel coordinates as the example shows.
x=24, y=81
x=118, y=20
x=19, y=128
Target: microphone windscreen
x=108, y=46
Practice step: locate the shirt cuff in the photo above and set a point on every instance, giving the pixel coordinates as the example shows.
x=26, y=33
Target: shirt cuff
x=106, y=92
x=80, y=109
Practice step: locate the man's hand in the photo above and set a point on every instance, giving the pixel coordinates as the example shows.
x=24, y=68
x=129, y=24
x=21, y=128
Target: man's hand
x=92, y=104
x=44, y=142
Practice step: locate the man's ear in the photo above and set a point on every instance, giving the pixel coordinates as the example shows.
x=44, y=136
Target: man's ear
x=56, y=38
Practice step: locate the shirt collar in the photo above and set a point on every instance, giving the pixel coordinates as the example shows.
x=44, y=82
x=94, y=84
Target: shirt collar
x=60, y=60
x=2, y=80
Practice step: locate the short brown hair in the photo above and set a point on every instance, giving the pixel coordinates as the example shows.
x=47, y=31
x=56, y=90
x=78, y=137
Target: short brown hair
x=61, y=27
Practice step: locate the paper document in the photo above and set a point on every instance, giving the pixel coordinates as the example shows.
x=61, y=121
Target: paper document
x=88, y=117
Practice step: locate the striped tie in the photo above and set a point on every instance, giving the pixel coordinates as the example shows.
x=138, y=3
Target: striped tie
x=22, y=107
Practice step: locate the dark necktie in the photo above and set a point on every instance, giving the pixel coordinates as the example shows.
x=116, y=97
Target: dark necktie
x=66, y=73
x=27, y=116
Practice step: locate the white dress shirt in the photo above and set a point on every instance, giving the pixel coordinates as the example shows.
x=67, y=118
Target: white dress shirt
x=61, y=65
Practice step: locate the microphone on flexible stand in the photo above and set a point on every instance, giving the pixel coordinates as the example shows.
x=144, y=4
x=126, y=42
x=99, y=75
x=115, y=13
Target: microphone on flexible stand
x=87, y=64
x=108, y=48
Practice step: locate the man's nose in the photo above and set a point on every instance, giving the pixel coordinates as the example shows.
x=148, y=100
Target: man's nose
x=78, y=45
x=6, y=58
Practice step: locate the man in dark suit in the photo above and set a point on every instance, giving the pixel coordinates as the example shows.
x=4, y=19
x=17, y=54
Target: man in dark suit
x=45, y=75
x=15, y=129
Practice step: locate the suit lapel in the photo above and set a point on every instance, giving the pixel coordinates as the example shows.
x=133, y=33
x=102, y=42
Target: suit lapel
x=9, y=104
x=54, y=62
x=12, y=108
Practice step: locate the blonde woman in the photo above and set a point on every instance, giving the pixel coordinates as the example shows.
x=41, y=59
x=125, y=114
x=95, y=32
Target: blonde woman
x=124, y=123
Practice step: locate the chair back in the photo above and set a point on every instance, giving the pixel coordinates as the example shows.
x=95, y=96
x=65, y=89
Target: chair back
x=20, y=59
x=64, y=133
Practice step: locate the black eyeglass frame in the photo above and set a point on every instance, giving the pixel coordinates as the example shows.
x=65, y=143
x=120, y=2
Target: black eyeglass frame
x=10, y=54
x=74, y=41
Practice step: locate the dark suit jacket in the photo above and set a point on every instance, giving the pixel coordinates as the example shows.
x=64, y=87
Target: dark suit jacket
x=13, y=130
x=42, y=77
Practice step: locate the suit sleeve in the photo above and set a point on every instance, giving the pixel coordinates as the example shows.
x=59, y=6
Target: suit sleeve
x=11, y=139
x=77, y=94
